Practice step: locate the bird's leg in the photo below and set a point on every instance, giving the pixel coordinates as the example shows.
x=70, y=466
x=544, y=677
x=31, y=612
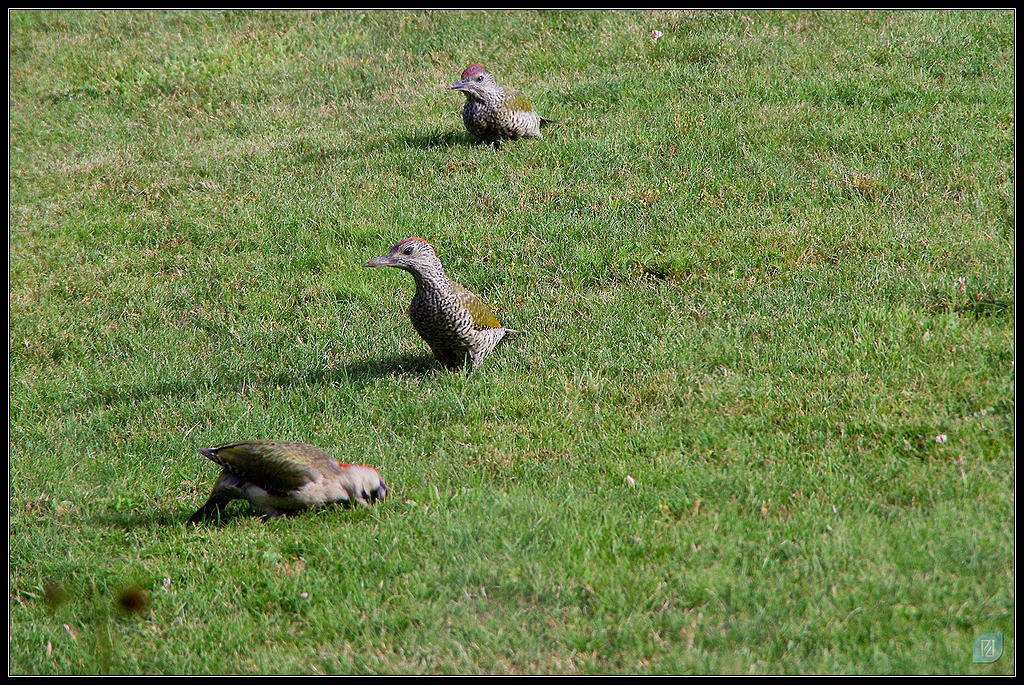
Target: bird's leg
x=270, y=512
x=212, y=508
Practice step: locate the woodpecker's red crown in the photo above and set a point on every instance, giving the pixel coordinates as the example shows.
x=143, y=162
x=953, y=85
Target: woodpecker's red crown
x=472, y=70
x=403, y=242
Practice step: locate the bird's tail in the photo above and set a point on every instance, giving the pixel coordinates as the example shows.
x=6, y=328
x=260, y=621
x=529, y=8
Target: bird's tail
x=210, y=453
x=213, y=454
x=548, y=122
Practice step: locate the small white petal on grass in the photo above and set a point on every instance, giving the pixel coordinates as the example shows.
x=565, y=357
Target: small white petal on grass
x=656, y=33
x=940, y=438
x=630, y=481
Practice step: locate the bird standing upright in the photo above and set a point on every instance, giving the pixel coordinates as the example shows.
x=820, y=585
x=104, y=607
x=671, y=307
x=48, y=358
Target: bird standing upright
x=454, y=322
x=493, y=113
x=281, y=477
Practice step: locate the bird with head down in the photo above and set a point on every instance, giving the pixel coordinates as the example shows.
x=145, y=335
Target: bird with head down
x=285, y=477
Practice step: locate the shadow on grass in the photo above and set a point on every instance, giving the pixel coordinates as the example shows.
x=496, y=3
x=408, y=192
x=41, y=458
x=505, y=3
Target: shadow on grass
x=131, y=520
x=397, y=365
x=304, y=156
x=356, y=373
x=161, y=518
x=238, y=510
x=439, y=140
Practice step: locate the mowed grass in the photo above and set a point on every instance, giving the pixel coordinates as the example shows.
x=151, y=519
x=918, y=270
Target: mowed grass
x=762, y=422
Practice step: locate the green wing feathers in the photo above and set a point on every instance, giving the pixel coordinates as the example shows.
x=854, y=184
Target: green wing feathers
x=517, y=102
x=276, y=466
x=483, y=317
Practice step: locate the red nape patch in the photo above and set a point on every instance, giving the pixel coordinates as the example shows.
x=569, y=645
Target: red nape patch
x=345, y=465
x=408, y=239
x=472, y=71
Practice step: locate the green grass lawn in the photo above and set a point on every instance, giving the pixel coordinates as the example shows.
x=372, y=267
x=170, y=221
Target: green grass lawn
x=762, y=421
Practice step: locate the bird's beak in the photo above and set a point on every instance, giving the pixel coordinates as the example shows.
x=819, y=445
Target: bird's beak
x=383, y=260
x=457, y=85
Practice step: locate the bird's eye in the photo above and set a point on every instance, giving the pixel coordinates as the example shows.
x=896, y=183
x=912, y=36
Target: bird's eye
x=480, y=77
x=408, y=250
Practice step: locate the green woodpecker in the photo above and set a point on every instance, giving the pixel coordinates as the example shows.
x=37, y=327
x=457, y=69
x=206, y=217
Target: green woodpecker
x=493, y=113
x=454, y=322
x=285, y=477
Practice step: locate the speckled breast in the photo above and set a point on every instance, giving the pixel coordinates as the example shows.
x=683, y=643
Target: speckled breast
x=442, y=322
x=479, y=119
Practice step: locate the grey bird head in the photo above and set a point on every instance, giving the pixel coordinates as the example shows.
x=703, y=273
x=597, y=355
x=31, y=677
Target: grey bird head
x=414, y=255
x=364, y=483
x=476, y=82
